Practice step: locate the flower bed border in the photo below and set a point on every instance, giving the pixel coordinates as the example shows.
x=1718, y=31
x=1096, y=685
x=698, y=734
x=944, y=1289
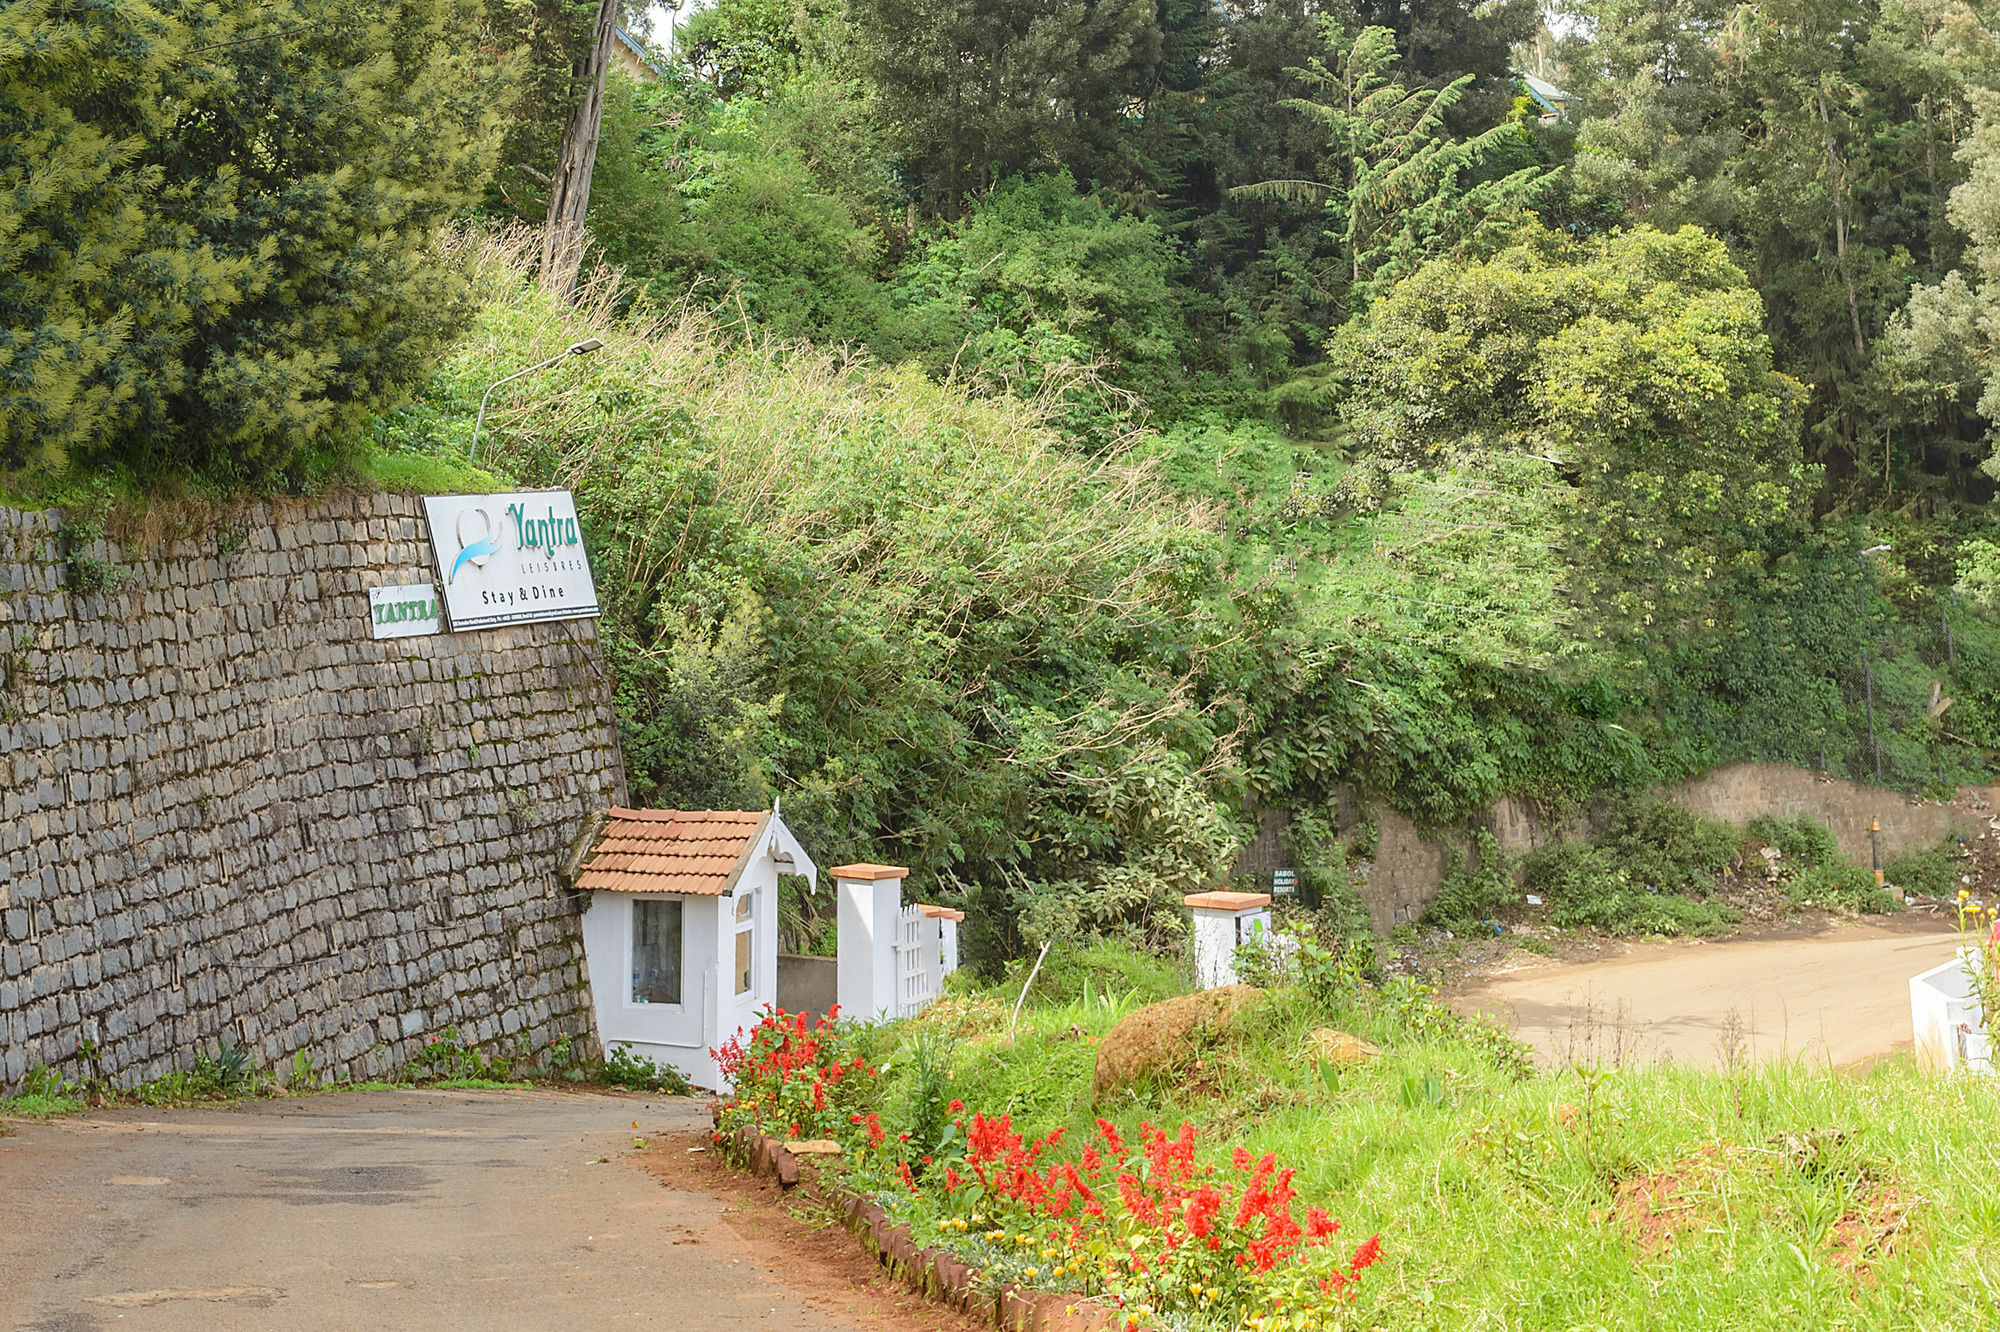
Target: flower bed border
x=937, y=1274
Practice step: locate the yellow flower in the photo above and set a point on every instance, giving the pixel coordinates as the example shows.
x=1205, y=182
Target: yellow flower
x=1031, y=1273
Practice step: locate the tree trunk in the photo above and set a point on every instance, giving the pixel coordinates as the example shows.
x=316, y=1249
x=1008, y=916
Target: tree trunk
x=569, y=194
x=1839, y=170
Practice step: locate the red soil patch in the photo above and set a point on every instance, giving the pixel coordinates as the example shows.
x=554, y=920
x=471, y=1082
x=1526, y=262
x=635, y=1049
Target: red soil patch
x=1870, y=1228
x=794, y=1235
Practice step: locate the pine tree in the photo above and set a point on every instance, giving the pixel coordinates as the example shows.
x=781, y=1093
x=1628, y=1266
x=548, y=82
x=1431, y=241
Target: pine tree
x=1397, y=188
x=222, y=223
x=91, y=272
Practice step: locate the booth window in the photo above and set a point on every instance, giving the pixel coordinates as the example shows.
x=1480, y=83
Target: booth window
x=745, y=920
x=656, y=952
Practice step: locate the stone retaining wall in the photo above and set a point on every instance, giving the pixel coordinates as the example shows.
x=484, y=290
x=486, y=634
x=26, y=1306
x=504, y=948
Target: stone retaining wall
x=227, y=813
x=1410, y=862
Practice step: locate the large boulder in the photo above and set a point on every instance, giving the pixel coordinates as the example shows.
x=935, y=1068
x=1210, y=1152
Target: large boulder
x=1161, y=1038
x=1328, y=1045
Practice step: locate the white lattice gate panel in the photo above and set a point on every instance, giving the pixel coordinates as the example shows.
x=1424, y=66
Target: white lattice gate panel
x=917, y=966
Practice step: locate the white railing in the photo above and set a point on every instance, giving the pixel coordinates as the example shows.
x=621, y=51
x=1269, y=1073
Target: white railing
x=919, y=961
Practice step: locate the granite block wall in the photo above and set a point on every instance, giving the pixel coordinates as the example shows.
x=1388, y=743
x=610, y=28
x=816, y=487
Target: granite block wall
x=228, y=813
x=1410, y=863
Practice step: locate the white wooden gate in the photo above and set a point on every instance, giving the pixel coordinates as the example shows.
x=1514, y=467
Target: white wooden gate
x=919, y=963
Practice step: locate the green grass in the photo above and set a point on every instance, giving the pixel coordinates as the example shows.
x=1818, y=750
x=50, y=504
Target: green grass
x=41, y=1106
x=429, y=474
x=1497, y=1192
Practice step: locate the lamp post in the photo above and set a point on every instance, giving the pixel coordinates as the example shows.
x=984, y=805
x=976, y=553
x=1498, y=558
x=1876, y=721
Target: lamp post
x=1867, y=667
x=574, y=349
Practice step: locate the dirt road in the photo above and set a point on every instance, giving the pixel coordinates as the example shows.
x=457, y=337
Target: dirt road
x=431, y=1210
x=1840, y=995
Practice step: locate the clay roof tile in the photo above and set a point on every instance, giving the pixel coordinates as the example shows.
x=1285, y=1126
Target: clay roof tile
x=694, y=853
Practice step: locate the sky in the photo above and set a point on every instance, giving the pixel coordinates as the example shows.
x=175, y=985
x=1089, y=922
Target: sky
x=664, y=17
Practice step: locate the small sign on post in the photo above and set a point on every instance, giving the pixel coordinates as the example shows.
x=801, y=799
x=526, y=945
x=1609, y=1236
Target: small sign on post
x=403, y=612
x=1284, y=882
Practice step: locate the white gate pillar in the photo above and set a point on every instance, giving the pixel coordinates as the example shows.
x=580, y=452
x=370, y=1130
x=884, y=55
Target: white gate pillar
x=870, y=899
x=947, y=923
x=1221, y=922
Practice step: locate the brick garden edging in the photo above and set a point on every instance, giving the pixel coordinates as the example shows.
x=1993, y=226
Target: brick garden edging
x=936, y=1273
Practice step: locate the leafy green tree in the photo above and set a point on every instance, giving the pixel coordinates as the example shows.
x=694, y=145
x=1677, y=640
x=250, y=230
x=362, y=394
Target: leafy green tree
x=1637, y=366
x=974, y=91
x=257, y=271
x=1817, y=137
x=714, y=199
x=1049, y=292
x=1444, y=41
x=758, y=48
x=1657, y=142
x=1943, y=342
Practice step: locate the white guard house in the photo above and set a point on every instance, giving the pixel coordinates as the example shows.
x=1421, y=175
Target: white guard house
x=681, y=929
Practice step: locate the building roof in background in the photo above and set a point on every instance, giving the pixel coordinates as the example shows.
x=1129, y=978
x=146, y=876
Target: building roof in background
x=689, y=852
x=632, y=55
x=1547, y=96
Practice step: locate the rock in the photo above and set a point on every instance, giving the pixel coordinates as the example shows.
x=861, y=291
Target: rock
x=1160, y=1037
x=813, y=1147
x=954, y=1279
x=1329, y=1046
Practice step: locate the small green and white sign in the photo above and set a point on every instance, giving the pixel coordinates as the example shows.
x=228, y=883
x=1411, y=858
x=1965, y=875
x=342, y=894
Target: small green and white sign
x=403, y=612
x=1284, y=882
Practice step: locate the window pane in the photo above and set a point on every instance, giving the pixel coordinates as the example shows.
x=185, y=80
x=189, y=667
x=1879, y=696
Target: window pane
x=656, y=952
x=745, y=927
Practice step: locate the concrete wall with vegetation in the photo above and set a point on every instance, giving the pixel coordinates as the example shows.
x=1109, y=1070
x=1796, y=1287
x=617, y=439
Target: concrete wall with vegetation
x=1401, y=879
x=228, y=814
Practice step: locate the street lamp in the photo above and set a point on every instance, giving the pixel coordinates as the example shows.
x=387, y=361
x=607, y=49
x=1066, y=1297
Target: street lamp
x=574, y=349
x=1867, y=667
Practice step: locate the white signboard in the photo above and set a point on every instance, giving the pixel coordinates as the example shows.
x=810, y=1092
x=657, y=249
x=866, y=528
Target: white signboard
x=510, y=559
x=403, y=612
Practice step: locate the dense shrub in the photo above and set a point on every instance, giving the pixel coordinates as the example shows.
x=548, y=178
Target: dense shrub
x=1840, y=887
x=1663, y=848
x=1040, y=282
x=1583, y=885
x=1803, y=839
x=1932, y=871
x=1475, y=887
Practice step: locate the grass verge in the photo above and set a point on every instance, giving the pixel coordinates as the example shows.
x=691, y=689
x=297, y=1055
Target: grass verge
x=1589, y=1196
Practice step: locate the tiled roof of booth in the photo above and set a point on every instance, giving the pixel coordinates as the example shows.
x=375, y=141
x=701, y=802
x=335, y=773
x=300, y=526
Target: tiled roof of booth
x=692, y=852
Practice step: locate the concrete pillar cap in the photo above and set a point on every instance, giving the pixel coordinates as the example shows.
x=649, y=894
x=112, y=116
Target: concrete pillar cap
x=1227, y=901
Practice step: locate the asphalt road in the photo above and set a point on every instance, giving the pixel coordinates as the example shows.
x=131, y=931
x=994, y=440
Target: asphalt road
x=1840, y=996
x=432, y=1210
